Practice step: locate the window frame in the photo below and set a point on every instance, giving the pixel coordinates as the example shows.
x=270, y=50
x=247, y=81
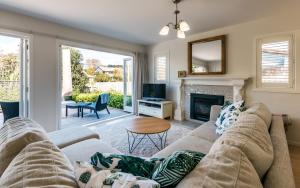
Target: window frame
x=155, y=56
x=275, y=86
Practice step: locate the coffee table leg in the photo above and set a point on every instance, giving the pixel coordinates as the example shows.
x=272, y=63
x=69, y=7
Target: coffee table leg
x=163, y=139
x=132, y=146
x=154, y=142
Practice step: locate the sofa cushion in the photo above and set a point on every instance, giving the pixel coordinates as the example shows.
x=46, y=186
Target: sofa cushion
x=226, y=167
x=66, y=137
x=250, y=135
x=206, y=131
x=173, y=169
x=262, y=111
x=82, y=151
x=188, y=142
x=15, y=134
x=39, y=164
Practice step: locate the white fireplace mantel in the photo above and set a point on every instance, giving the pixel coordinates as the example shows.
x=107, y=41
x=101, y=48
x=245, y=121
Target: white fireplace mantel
x=237, y=83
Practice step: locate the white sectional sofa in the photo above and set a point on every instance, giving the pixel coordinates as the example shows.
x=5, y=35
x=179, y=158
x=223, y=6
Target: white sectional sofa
x=253, y=153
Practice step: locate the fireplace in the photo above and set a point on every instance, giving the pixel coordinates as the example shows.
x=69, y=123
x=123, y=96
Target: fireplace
x=201, y=104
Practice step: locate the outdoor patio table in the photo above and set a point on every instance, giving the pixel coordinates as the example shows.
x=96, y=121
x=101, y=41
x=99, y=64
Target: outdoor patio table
x=77, y=106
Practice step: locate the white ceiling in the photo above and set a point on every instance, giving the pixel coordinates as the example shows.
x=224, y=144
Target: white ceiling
x=139, y=21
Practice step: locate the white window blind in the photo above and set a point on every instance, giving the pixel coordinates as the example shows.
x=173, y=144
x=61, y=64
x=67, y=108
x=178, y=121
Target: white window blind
x=161, y=68
x=275, y=62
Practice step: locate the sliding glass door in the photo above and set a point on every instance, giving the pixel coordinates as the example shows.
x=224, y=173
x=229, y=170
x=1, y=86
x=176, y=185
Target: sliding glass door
x=14, y=58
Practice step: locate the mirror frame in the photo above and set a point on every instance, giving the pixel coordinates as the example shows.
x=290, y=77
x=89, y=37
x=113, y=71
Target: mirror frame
x=223, y=60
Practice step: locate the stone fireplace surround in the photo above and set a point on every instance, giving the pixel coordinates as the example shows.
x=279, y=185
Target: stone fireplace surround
x=231, y=87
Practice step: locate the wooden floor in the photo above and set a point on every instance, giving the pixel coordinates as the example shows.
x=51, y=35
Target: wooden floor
x=295, y=157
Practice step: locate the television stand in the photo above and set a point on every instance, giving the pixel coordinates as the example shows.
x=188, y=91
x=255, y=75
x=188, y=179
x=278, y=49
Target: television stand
x=160, y=109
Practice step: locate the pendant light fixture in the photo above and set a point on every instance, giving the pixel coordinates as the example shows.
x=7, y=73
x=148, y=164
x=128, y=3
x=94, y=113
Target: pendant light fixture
x=180, y=26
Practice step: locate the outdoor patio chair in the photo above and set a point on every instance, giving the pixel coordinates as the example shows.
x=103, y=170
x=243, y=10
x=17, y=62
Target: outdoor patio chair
x=100, y=104
x=10, y=110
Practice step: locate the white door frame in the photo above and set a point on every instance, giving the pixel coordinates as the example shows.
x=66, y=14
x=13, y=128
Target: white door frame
x=125, y=85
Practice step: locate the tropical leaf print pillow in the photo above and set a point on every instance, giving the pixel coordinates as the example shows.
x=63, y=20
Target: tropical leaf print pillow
x=88, y=176
x=174, y=168
x=228, y=115
x=123, y=163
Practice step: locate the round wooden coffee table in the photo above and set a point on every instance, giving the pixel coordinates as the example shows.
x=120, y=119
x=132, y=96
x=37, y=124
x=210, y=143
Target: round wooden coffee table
x=141, y=128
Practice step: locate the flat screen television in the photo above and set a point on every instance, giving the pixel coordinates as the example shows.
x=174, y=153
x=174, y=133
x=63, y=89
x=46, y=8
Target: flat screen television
x=156, y=92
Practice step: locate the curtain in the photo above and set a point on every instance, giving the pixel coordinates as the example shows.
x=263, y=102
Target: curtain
x=140, y=76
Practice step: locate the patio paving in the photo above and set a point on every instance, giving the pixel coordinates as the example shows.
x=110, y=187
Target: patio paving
x=73, y=120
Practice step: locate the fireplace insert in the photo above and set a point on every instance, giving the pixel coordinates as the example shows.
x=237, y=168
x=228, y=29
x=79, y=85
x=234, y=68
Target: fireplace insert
x=200, y=105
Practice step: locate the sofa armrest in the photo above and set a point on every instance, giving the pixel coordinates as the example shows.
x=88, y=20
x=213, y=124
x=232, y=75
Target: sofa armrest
x=214, y=112
x=280, y=173
x=65, y=137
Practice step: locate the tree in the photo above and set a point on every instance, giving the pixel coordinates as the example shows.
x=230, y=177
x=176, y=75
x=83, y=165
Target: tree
x=9, y=67
x=102, y=77
x=117, y=75
x=91, y=71
x=79, y=78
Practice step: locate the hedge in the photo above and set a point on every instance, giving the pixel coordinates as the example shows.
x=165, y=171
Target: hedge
x=115, y=99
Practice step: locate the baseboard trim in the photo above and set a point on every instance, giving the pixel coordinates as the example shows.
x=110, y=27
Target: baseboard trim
x=294, y=143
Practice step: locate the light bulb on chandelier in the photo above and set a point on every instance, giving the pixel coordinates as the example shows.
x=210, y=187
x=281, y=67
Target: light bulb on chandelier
x=181, y=26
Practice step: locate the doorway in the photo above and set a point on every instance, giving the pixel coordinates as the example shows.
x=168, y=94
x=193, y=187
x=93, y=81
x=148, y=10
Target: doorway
x=86, y=75
x=14, y=77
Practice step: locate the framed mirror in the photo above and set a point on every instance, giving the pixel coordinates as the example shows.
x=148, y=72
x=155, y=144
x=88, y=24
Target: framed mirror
x=207, y=56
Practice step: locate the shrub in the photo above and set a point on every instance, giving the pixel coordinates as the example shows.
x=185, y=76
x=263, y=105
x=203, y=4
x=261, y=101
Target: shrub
x=85, y=97
x=115, y=99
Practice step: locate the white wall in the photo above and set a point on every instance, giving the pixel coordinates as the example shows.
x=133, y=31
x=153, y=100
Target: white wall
x=44, y=65
x=241, y=60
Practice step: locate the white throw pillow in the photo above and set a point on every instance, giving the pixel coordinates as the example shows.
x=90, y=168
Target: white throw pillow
x=228, y=115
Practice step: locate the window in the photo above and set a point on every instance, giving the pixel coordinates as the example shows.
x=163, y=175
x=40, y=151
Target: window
x=161, y=68
x=275, y=63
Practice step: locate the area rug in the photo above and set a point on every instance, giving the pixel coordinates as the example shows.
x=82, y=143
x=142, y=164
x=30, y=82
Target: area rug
x=114, y=133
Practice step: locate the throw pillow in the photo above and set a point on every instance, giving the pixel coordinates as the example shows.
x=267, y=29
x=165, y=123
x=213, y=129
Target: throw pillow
x=250, y=134
x=174, y=168
x=228, y=115
x=39, y=164
x=89, y=176
x=225, y=167
x=15, y=135
x=134, y=165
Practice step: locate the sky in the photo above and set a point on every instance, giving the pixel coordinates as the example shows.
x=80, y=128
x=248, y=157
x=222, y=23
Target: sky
x=104, y=57
x=9, y=44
